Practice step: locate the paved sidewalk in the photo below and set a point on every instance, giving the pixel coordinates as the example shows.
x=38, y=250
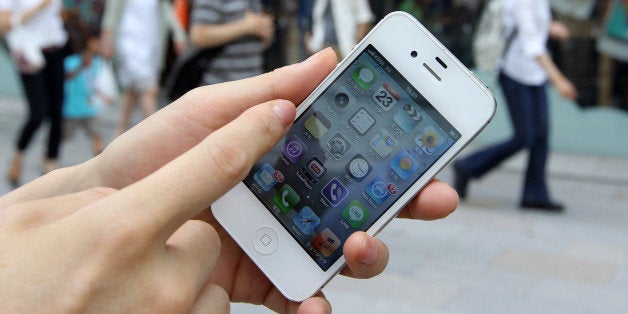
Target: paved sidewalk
x=488, y=257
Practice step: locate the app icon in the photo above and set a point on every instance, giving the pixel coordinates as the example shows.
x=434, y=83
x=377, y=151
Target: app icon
x=264, y=177
x=286, y=198
x=429, y=140
x=378, y=190
x=358, y=167
x=408, y=118
x=386, y=96
x=342, y=98
x=326, y=242
x=364, y=76
x=314, y=170
x=404, y=165
x=355, y=214
x=293, y=148
x=392, y=189
x=383, y=143
x=362, y=121
x=306, y=220
x=334, y=192
x=317, y=125
x=337, y=146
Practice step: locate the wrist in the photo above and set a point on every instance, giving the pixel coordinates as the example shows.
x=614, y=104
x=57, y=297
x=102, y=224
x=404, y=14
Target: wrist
x=246, y=28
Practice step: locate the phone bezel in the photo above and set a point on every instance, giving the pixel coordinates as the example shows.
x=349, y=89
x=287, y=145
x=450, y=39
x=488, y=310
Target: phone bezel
x=290, y=268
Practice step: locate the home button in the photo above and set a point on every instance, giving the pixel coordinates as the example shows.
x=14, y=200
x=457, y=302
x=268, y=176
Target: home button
x=265, y=240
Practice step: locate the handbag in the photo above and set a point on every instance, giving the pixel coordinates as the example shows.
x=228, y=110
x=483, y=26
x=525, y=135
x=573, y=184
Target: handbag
x=187, y=72
x=24, y=44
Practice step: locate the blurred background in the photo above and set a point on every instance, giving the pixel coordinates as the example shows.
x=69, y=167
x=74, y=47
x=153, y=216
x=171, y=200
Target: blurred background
x=490, y=256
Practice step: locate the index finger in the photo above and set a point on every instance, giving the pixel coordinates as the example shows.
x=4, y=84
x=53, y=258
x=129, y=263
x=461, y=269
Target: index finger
x=160, y=203
x=229, y=100
x=203, y=110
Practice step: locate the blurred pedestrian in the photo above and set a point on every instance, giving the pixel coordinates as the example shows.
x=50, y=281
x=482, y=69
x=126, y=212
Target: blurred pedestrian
x=238, y=30
x=79, y=110
x=304, y=25
x=339, y=24
x=35, y=35
x=135, y=31
x=525, y=68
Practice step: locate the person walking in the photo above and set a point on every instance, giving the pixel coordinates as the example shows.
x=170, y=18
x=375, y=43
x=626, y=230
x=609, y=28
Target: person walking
x=525, y=68
x=135, y=31
x=79, y=110
x=339, y=24
x=35, y=35
x=239, y=30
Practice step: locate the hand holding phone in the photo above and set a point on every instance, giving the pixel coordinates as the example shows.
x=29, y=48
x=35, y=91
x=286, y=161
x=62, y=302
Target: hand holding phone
x=153, y=200
x=364, y=143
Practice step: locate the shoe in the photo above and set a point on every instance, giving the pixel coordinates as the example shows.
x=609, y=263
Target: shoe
x=15, y=171
x=548, y=206
x=461, y=180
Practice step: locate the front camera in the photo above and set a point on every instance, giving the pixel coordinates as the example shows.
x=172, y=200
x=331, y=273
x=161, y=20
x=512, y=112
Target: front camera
x=414, y=54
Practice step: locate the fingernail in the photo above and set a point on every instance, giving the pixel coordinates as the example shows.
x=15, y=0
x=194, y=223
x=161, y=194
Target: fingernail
x=314, y=56
x=368, y=254
x=285, y=110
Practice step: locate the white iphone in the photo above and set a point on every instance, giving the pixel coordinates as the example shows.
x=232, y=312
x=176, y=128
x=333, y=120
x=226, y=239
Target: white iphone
x=364, y=143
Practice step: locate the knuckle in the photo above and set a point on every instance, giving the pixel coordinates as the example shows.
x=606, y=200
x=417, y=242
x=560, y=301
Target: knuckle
x=230, y=160
x=125, y=243
x=267, y=123
x=206, y=232
x=100, y=192
x=173, y=295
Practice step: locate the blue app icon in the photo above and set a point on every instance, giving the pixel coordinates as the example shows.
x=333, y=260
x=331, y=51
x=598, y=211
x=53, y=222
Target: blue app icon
x=334, y=192
x=404, y=165
x=264, y=177
x=306, y=220
x=377, y=190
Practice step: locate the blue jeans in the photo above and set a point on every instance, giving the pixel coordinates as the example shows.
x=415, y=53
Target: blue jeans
x=529, y=115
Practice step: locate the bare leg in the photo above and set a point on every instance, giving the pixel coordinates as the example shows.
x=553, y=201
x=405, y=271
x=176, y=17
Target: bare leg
x=49, y=165
x=97, y=144
x=15, y=169
x=130, y=99
x=148, y=101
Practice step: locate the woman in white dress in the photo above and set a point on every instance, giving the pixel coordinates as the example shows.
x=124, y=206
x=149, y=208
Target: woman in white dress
x=136, y=30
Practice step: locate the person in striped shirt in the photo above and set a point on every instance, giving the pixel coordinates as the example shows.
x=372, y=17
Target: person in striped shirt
x=239, y=29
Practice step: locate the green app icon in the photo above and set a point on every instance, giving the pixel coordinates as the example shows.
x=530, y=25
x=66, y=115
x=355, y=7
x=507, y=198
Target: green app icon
x=286, y=198
x=364, y=76
x=355, y=214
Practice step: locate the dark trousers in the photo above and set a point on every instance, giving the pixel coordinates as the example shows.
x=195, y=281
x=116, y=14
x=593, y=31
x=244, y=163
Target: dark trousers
x=44, y=94
x=529, y=115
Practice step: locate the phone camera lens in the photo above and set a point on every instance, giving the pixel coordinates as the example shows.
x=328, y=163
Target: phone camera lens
x=414, y=54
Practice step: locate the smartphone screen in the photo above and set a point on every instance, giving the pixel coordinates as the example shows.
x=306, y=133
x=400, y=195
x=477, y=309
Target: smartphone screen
x=360, y=145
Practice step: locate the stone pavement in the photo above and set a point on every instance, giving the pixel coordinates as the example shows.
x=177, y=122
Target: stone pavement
x=487, y=257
